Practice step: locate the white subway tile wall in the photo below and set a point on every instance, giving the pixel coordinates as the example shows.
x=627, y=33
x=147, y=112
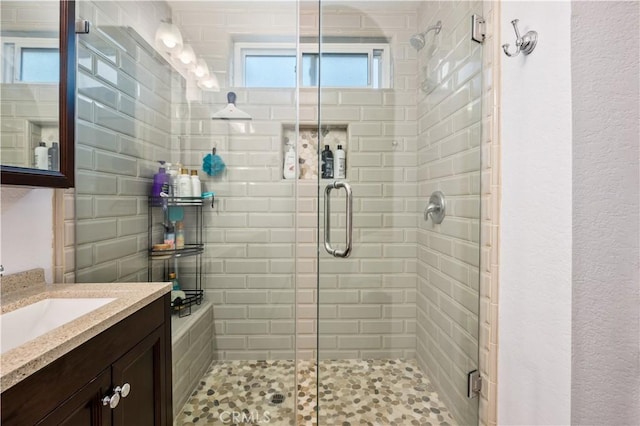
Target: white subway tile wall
x=449, y=122
x=368, y=309
x=28, y=110
x=255, y=211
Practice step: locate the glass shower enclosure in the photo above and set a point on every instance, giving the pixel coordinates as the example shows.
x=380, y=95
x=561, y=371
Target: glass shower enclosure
x=330, y=296
x=398, y=318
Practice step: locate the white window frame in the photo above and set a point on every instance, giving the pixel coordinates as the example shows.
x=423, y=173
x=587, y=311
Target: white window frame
x=12, y=56
x=242, y=49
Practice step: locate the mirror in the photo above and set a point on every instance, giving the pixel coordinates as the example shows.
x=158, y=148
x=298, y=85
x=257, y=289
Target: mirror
x=37, y=88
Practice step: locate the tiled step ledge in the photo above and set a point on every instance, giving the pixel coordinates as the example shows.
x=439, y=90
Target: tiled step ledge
x=191, y=342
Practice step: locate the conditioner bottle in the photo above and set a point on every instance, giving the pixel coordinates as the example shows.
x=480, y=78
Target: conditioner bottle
x=290, y=160
x=341, y=163
x=42, y=156
x=184, y=184
x=196, y=185
x=327, y=163
x=54, y=157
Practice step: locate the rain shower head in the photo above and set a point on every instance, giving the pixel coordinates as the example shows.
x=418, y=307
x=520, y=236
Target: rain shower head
x=231, y=112
x=417, y=41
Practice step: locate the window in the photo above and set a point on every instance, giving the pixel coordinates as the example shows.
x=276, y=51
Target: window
x=30, y=60
x=344, y=64
x=270, y=69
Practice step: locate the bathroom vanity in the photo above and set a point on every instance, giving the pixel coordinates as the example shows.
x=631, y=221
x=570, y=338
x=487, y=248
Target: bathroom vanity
x=111, y=366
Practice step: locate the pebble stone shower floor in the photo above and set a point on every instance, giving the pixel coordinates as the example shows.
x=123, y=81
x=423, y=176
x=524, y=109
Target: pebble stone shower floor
x=352, y=392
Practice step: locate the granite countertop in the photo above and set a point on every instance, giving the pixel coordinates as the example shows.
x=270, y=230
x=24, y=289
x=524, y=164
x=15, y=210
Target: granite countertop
x=24, y=360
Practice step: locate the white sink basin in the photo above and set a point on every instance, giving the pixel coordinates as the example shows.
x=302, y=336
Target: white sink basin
x=27, y=323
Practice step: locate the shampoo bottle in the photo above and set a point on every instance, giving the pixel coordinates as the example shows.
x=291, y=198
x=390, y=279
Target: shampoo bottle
x=173, y=180
x=160, y=181
x=179, y=235
x=184, y=184
x=54, y=157
x=290, y=161
x=327, y=163
x=42, y=156
x=196, y=185
x=341, y=163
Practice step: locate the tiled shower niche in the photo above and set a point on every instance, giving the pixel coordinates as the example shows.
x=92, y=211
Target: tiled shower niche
x=309, y=146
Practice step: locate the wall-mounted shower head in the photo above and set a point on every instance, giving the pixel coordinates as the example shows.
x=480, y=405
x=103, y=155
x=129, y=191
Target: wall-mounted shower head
x=417, y=41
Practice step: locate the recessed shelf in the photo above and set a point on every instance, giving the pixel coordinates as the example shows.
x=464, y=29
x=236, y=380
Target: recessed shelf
x=310, y=143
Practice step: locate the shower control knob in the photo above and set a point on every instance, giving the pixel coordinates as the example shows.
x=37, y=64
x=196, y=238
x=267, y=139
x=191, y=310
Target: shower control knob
x=436, y=209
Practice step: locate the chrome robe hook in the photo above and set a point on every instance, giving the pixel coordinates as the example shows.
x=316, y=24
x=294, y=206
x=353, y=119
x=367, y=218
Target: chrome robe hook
x=524, y=44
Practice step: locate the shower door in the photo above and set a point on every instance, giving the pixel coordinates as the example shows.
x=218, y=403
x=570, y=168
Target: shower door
x=397, y=326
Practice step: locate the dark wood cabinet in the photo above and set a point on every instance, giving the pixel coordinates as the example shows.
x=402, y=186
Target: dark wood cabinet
x=141, y=368
x=70, y=390
x=85, y=406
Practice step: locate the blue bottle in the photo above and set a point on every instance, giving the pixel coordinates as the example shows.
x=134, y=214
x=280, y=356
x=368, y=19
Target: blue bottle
x=175, y=285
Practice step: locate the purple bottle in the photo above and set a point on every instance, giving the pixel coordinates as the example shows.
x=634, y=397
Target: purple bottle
x=160, y=181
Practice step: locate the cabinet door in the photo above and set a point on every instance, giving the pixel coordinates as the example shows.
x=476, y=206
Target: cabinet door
x=85, y=407
x=142, y=368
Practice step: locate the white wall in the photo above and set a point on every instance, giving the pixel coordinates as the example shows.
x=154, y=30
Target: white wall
x=569, y=292
x=606, y=226
x=27, y=230
x=534, y=372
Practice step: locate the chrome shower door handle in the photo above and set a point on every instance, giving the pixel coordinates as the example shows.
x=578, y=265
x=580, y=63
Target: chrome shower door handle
x=327, y=219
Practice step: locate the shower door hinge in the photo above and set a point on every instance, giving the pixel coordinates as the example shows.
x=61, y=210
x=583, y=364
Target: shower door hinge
x=82, y=26
x=474, y=384
x=478, y=28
